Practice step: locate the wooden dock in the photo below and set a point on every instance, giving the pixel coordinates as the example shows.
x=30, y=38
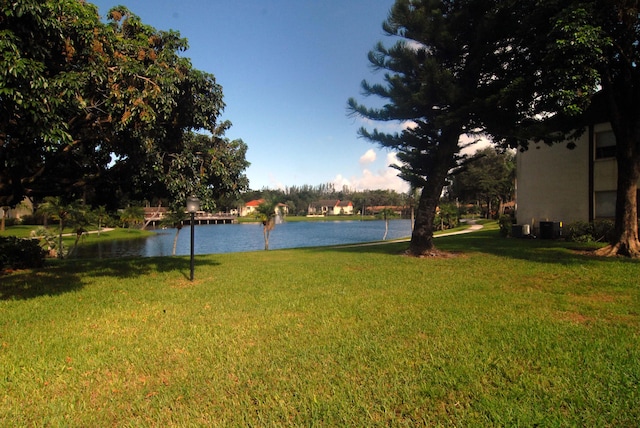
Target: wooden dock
x=207, y=218
x=154, y=220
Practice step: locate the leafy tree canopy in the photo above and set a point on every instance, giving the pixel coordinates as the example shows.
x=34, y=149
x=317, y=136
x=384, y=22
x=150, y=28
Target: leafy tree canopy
x=105, y=110
x=568, y=63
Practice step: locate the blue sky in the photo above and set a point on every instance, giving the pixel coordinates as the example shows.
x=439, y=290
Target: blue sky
x=287, y=68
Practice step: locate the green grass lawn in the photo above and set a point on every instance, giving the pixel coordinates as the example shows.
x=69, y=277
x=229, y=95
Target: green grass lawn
x=508, y=332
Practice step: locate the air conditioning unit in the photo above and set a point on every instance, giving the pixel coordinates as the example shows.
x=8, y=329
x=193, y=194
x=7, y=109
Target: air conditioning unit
x=520, y=230
x=550, y=229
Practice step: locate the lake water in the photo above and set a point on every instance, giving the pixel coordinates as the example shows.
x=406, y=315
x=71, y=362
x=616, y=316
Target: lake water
x=232, y=238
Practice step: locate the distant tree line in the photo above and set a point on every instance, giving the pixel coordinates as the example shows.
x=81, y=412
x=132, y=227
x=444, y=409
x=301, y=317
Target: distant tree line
x=484, y=185
x=298, y=198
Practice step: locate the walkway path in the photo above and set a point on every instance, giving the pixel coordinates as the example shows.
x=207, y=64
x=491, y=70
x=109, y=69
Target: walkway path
x=474, y=227
x=104, y=229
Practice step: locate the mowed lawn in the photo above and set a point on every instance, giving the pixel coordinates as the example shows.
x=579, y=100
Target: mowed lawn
x=508, y=332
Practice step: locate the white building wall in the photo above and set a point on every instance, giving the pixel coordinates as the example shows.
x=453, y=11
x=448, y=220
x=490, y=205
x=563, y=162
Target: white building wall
x=553, y=183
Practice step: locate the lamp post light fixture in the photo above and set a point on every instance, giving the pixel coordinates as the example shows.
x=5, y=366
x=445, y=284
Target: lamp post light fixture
x=193, y=206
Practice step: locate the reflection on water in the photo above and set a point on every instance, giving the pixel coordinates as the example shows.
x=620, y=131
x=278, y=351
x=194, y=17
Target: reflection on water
x=231, y=238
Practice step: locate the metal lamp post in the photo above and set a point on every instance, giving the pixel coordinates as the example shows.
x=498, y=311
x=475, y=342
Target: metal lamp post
x=193, y=206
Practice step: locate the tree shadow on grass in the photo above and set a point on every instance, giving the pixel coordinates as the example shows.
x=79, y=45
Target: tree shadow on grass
x=546, y=251
x=491, y=243
x=63, y=276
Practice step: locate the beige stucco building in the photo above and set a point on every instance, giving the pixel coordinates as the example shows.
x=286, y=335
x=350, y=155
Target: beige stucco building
x=24, y=208
x=331, y=207
x=557, y=184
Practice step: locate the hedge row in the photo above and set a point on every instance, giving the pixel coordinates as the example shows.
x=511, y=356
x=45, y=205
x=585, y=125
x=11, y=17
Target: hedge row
x=17, y=253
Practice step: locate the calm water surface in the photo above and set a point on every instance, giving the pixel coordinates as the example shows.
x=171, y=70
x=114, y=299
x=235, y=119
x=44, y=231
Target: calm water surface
x=232, y=238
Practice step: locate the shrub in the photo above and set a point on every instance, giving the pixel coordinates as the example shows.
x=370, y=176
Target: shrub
x=603, y=230
x=10, y=222
x=16, y=253
x=31, y=220
x=447, y=217
x=506, y=223
x=582, y=231
x=579, y=231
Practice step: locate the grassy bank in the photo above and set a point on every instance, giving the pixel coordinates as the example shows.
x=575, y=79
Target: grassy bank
x=508, y=332
x=69, y=237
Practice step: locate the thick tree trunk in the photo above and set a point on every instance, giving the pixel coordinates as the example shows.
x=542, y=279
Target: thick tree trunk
x=626, y=229
x=422, y=235
x=625, y=121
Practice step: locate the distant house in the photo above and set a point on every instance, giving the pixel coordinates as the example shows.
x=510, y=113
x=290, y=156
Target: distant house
x=251, y=207
x=331, y=207
x=555, y=184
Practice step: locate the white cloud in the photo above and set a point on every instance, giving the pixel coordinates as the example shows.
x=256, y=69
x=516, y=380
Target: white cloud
x=392, y=159
x=368, y=157
x=385, y=178
x=412, y=44
x=384, y=126
x=408, y=124
x=479, y=143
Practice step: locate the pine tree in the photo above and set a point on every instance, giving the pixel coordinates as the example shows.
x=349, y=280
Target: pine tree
x=432, y=83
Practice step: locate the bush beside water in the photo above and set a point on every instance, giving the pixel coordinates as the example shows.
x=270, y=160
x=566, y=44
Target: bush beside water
x=17, y=253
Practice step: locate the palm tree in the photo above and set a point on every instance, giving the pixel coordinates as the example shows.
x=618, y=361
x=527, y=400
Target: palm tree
x=386, y=214
x=267, y=212
x=80, y=219
x=100, y=214
x=132, y=215
x=174, y=218
x=54, y=207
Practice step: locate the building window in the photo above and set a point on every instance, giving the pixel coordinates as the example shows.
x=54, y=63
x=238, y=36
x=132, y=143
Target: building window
x=605, y=145
x=605, y=204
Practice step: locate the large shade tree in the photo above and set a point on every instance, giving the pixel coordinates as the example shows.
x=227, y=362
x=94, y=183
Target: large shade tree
x=433, y=79
x=44, y=50
x=561, y=56
x=209, y=167
x=102, y=111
